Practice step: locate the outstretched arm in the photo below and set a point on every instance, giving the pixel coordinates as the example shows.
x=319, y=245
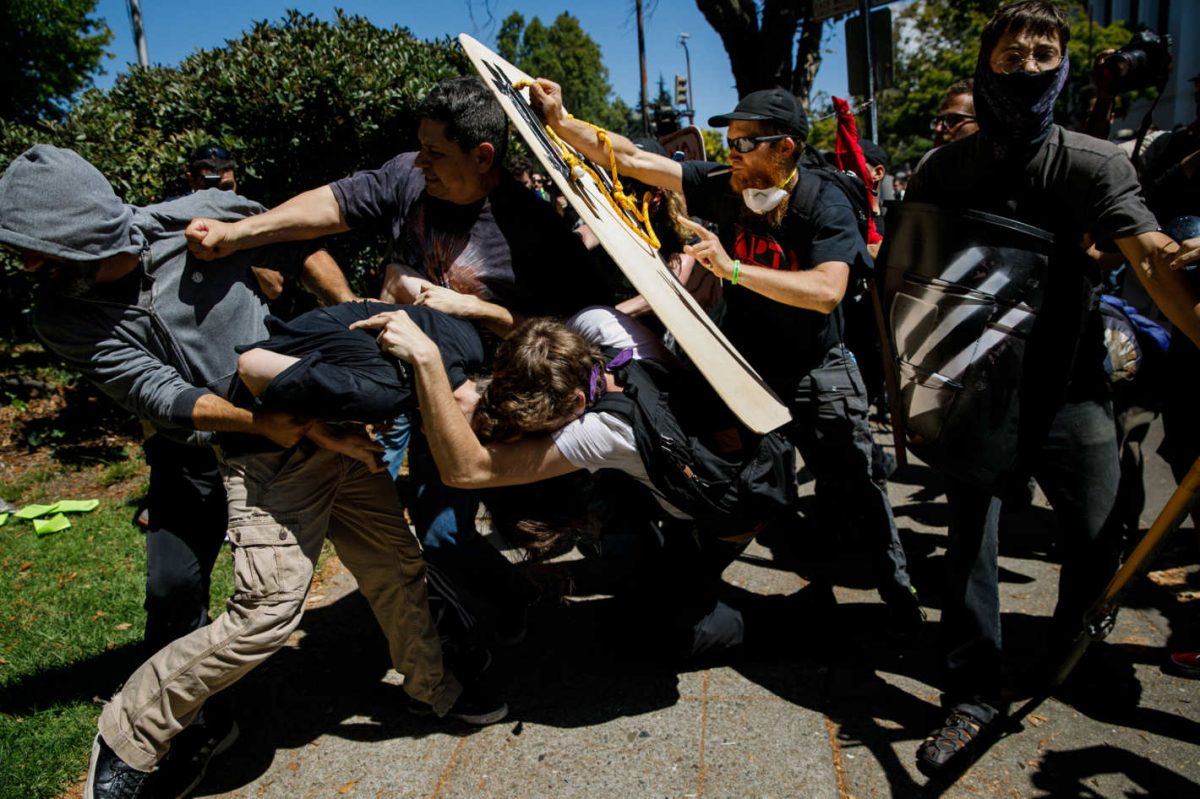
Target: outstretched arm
x=323, y=277
x=1157, y=261
x=462, y=460
x=650, y=168
x=309, y=215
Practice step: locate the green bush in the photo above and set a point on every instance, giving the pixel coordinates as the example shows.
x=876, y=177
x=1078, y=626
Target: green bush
x=299, y=102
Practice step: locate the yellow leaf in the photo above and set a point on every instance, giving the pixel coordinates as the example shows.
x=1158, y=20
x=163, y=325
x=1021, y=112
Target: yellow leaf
x=124, y=625
x=348, y=787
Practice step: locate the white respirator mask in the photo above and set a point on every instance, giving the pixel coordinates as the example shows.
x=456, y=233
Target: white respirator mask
x=763, y=201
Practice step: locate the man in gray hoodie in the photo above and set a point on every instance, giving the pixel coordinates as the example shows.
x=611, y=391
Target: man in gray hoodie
x=120, y=300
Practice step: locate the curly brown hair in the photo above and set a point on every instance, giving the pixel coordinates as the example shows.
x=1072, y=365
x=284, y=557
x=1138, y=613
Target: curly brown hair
x=536, y=375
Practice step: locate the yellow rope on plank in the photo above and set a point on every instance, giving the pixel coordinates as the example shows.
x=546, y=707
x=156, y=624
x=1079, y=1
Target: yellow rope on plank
x=625, y=206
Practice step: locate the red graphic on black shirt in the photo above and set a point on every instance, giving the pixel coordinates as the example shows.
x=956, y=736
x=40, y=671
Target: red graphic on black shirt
x=751, y=248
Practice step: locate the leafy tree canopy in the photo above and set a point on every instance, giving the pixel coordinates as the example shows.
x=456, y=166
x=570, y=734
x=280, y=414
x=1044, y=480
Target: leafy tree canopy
x=565, y=53
x=298, y=102
x=49, y=50
x=937, y=43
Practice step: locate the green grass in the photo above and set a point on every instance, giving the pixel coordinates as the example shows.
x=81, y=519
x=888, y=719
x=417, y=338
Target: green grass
x=27, y=487
x=71, y=623
x=121, y=471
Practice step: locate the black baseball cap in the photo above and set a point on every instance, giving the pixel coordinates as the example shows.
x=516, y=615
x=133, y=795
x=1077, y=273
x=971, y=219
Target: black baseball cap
x=874, y=154
x=768, y=105
x=211, y=156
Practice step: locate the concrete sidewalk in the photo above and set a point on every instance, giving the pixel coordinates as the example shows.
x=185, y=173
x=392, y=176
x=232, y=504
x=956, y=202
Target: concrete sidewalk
x=840, y=717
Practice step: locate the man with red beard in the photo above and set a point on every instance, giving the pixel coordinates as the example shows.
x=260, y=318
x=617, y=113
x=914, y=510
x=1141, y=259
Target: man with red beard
x=788, y=241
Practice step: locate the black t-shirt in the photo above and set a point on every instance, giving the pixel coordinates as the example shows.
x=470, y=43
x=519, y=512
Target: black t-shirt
x=781, y=342
x=343, y=375
x=1169, y=191
x=1074, y=184
x=510, y=248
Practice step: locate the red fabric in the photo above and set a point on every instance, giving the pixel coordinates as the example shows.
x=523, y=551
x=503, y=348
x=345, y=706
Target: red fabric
x=850, y=158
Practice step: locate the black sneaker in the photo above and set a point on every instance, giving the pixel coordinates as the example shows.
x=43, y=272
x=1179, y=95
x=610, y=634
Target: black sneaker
x=110, y=777
x=191, y=751
x=473, y=707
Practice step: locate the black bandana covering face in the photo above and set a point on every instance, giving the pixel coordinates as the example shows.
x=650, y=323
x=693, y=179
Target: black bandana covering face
x=1015, y=111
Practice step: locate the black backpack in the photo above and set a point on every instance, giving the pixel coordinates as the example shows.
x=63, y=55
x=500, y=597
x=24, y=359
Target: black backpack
x=725, y=495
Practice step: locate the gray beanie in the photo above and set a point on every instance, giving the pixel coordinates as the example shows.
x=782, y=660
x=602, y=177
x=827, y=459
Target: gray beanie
x=54, y=202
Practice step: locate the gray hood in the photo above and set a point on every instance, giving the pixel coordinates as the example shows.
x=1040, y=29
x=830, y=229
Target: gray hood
x=54, y=202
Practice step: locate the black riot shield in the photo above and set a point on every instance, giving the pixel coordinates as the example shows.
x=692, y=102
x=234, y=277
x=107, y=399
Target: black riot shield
x=962, y=290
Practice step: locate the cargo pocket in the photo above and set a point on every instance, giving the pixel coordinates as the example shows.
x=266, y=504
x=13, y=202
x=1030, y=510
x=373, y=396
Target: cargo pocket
x=269, y=565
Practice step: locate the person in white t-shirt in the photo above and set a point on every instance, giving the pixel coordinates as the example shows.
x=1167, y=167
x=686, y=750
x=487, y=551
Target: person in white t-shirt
x=534, y=423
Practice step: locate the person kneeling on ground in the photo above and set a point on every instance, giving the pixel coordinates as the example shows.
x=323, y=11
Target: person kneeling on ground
x=542, y=416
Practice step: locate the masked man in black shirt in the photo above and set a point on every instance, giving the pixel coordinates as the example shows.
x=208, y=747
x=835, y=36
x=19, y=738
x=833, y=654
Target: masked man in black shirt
x=788, y=243
x=1024, y=167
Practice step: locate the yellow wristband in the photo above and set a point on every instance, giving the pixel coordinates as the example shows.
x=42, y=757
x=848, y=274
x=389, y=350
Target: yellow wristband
x=737, y=270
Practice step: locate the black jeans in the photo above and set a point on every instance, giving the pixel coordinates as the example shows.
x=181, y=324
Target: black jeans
x=188, y=519
x=830, y=429
x=1078, y=469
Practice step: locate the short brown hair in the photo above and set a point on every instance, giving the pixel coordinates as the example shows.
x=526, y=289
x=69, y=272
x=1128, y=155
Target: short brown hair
x=1036, y=16
x=535, y=375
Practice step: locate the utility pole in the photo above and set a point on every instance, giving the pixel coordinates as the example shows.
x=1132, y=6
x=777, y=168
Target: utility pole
x=642, y=61
x=865, y=9
x=139, y=35
x=691, y=98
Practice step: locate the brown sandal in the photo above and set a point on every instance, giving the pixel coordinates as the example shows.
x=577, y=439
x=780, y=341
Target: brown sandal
x=950, y=744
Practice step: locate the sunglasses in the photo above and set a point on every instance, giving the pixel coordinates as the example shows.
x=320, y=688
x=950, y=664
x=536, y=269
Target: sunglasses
x=744, y=144
x=949, y=121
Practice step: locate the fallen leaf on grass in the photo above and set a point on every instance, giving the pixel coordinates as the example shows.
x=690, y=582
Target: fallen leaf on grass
x=3, y=662
x=26, y=566
x=99, y=615
x=348, y=787
x=123, y=626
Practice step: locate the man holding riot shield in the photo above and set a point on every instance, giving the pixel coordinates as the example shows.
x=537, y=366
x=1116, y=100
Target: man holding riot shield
x=1023, y=167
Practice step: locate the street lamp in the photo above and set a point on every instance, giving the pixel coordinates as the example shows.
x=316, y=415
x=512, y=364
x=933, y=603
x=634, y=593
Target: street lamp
x=691, y=105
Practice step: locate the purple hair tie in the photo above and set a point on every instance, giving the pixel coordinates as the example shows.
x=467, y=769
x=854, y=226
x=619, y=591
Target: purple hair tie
x=594, y=385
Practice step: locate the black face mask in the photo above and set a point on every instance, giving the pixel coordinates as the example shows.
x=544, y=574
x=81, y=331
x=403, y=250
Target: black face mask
x=1015, y=111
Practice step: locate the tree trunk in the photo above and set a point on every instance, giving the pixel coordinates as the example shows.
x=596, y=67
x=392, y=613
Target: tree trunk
x=808, y=60
x=736, y=22
x=776, y=43
x=768, y=55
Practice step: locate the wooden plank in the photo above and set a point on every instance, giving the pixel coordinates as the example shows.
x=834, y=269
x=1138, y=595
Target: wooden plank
x=738, y=385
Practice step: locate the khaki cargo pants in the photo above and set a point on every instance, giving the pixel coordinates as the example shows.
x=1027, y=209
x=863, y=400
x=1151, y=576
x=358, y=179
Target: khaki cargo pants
x=281, y=507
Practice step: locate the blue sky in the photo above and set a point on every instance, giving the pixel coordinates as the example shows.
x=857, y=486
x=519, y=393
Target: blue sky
x=175, y=29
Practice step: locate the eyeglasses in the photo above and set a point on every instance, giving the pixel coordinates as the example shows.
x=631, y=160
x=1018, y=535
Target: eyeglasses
x=949, y=121
x=744, y=144
x=1043, y=58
